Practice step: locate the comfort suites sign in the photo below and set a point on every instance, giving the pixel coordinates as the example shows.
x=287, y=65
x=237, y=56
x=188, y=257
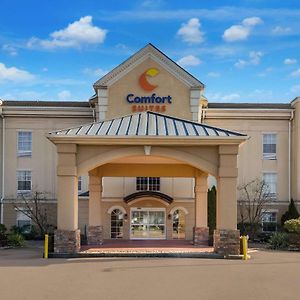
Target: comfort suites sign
x=150, y=101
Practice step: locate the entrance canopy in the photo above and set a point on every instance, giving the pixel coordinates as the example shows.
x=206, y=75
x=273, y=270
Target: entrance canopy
x=146, y=144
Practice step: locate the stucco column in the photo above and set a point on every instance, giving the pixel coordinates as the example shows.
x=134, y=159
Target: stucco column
x=67, y=235
x=226, y=236
x=201, y=229
x=95, y=228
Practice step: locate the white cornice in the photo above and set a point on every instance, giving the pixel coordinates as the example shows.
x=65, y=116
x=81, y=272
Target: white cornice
x=148, y=51
x=47, y=112
x=241, y=113
x=168, y=141
x=295, y=101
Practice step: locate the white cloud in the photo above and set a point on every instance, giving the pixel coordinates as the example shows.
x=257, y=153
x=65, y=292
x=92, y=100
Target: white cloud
x=95, y=72
x=190, y=32
x=279, y=30
x=64, y=95
x=296, y=73
x=189, y=60
x=240, y=63
x=253, y=21
x=241, y=32
x=231, y=97
x=290, y=61
x=213, y=74
x=11, y=50
x=14, y=74
x=223, y=97
x=75, y=35
x=255, y=57
x=265, y=72
x=236, y=33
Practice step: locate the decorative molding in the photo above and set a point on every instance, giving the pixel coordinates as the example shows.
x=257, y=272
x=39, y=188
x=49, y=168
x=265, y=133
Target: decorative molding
x=121, y=208
x=148, y=51
x=179, y=208
x=147, y=150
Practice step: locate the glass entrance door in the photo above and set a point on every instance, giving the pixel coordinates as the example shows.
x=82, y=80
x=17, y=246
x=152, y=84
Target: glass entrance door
x=148, y=223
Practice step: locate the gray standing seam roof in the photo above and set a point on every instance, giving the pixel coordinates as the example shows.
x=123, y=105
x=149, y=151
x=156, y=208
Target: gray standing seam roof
x=149, y=124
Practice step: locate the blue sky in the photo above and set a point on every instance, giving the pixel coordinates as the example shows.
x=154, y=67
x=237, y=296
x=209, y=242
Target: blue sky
x=243, y=51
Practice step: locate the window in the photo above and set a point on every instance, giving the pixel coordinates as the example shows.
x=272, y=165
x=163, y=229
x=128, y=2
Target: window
x=116, y=224
x=269, y=221
x=269, y=146
x=148, y=183
x=23, y=221
x=24, y=181
x=24, y=143
x=79, y=183
x=270, y=180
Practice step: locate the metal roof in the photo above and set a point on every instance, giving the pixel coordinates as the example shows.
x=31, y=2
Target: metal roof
x=148, y=124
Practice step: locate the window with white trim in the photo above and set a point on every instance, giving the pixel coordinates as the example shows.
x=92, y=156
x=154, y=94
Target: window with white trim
x=269, y=146
x=269, y=221
x=24, y=181
x=270, y=180
x=23, y=220
x=148, y=183
x=79, y=183
x=24, y=143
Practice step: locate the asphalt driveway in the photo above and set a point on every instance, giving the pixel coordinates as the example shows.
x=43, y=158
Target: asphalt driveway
x=268, y=275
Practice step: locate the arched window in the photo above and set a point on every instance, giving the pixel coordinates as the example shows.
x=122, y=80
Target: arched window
x=178, y=219
x=116, y=224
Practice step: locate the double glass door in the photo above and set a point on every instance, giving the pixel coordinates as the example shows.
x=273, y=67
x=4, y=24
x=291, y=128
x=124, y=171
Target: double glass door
x=148, y=223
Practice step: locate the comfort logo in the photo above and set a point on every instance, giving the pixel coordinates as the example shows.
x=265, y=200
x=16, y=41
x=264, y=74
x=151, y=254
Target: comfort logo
x=143, y=81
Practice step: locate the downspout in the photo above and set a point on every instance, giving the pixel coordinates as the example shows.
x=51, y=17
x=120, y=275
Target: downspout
x=290, y=149
x=3, y=164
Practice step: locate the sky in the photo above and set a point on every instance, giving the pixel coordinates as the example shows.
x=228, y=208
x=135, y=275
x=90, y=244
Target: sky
x=243, y=51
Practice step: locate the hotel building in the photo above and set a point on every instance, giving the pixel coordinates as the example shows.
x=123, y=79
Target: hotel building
x=135, y=161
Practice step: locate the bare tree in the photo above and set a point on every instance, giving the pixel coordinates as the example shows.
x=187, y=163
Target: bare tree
x=253, y=199
x=32, y=206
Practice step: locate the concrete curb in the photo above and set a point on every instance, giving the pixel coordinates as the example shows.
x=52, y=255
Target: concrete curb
x=113, y=254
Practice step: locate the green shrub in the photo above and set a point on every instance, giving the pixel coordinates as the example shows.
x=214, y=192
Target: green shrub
x=250, y=229
x=292, y=225
x=291, y=213
x=16, y=240
x=211, y=208
x=3, y=235
x=3, y=229
x=279, y=240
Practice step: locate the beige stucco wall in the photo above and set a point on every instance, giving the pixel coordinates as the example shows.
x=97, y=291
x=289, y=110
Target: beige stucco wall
x=251, y=164
x=42, y=162
x=167, y=85
x=11, y=213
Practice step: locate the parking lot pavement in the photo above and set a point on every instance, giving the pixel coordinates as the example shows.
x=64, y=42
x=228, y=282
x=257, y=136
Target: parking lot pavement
x=268, y=275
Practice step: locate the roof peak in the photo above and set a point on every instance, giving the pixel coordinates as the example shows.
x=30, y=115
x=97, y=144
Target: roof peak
x=158, y=56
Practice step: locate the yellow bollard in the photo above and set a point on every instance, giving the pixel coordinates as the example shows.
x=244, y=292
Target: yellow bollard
x=46, y=246
x=245, y=247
